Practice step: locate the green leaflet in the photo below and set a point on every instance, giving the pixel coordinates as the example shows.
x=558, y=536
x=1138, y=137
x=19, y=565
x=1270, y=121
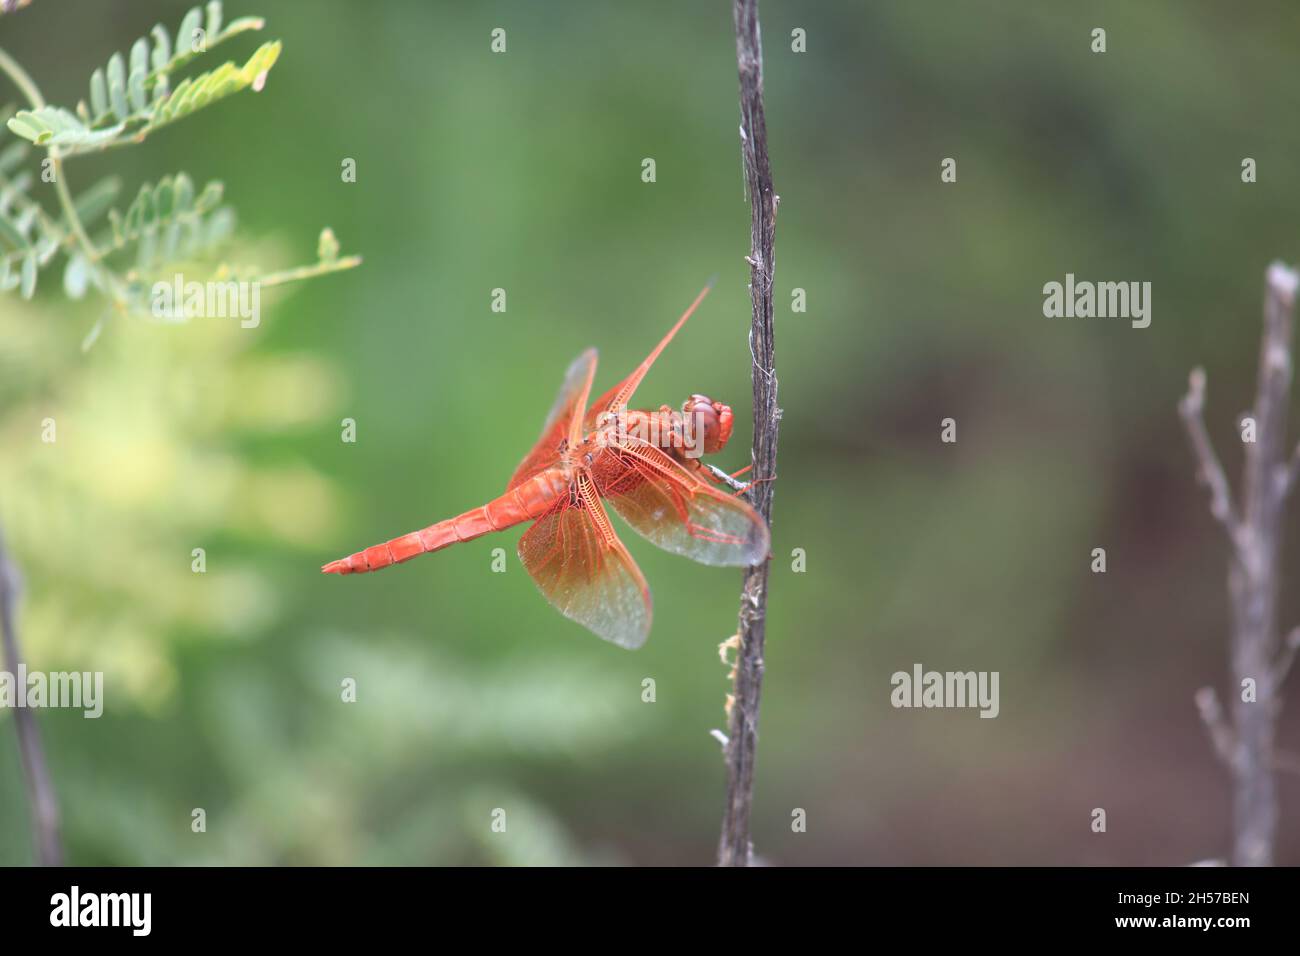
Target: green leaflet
x=27, y=279
x=169, y=221
x=169, y=225
x=76, y=276
x=132, y=96
x=130, y=86
x=54, y=126
x=192, y=95
x=13, y=155
x=11, y=234
x=19, y=213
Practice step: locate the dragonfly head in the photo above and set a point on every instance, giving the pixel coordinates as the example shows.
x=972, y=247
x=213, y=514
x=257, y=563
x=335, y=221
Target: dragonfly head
x=710, y=420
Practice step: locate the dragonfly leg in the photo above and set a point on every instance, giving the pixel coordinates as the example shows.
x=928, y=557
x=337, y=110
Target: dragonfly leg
x=738, y=487
x=722, y=478
x=750, y=484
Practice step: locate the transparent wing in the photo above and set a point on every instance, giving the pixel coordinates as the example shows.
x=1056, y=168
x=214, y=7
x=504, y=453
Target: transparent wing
x=622, y=393
x=585, y=571
x=678, y=511
x=568, y=404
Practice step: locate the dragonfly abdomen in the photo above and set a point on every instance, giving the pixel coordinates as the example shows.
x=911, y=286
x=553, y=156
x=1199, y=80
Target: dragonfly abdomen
x=527, y=501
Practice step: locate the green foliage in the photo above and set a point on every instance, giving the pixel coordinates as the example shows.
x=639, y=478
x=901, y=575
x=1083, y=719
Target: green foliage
x=52, y=126
x=25, y=232
x=169, y=224
x=132, y=96
x=192, y=95
x=95, y=201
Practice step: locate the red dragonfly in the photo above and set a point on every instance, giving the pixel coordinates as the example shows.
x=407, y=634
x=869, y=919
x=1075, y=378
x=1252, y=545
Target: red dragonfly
x=645, y=464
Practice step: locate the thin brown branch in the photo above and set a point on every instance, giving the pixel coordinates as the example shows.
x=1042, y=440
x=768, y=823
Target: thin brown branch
x=1286, y=658
x=1257, y=657
x=1292, y=473
x=40, y=792
x=1216, y=724
x=1210, y=471
x=734, y=848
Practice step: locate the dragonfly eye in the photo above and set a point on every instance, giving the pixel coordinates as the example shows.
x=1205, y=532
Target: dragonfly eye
x=707, y=422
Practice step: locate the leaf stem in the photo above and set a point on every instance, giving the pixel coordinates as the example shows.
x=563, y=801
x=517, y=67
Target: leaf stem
x=309, y=272
x=13, y=69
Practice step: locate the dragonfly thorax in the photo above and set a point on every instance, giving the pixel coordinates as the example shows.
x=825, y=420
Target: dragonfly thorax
x=702, y=427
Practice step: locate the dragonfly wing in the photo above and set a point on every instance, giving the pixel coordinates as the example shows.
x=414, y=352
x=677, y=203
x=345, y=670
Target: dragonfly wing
x=621, y=393
x=678, y=511
x=568, y=404
x=583, y=569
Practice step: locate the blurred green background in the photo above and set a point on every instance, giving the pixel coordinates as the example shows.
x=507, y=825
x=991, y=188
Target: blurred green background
x=522, y=171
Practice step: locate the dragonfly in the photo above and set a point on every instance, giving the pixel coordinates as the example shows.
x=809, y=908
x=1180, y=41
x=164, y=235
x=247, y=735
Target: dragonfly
x=644, y=464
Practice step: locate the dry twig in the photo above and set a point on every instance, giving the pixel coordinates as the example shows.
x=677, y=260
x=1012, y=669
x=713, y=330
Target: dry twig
x=1244, y=738
x=734, y=848
x=40, y=792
